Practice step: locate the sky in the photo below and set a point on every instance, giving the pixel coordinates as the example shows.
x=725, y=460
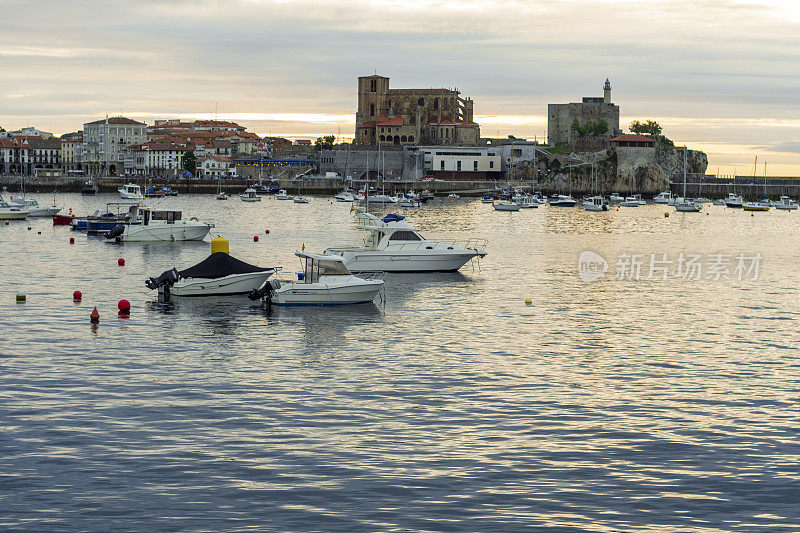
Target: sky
x=720, y=76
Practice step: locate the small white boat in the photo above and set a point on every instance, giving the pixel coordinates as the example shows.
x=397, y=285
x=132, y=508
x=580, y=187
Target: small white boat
x=300, y=200
x=687, y=205
x=734, y=200
x=701, y=200
x=409, y=202
x=631, y=201
x=718, y=201
x=562, y=200
x=217, y=275
x=282, y=195
x=595, y=203
x=487, y=200
x=160, y=225
x=785, y=203
x=325, y=280
x=382, y=199
x=130, y=192
x=250, y=195
x=453, y=195
x=615, y=199
x=393, y=245
x=33, y=208
x=345, y=196
x=9, y=212
x=506, y=206
x=664, y=198
x=527, y=202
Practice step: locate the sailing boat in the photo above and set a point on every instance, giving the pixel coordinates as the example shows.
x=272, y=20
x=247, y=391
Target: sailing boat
x=683, y=204
x=221, y=195
x=763, y=205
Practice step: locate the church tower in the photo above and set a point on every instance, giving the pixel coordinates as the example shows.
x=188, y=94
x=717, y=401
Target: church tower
x=607, y=92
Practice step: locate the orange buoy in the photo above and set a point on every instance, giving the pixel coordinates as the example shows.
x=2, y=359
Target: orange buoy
x=95, y=316
x=121, y=262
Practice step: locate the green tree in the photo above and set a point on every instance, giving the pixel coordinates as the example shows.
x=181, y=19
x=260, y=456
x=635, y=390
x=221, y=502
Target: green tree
x=651, y=127
x=189, y=161
x=324, y=143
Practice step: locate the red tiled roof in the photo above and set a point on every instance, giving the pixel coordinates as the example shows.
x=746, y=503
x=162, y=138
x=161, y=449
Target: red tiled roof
x=396, y=120
x=633, y=138
x=117, y=120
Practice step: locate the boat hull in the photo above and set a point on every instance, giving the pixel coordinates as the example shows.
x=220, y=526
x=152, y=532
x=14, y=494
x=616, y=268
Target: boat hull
x=224, y=286
x=13, y=215
x=165, y=233
x=296, y=294
x=406, y=261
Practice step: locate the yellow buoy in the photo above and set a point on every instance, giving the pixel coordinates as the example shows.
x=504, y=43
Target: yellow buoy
x=528, y=301
x=666, y=214
x=220, y=244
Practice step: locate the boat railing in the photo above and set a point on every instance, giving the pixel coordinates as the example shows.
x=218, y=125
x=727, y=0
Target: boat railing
x=372, y=275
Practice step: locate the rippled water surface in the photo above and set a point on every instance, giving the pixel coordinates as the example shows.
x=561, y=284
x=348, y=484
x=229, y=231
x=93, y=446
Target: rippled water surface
x=618, y=405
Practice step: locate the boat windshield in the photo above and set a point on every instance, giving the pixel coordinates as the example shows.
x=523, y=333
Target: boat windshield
x=320, y=267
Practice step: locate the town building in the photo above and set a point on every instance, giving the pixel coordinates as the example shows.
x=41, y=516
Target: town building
x=162, y=158
x=413, y=116
x=26, y=132
x=30, y=156
x=585, y=126
x=104, y=142
x=215, y=167
x=72, y=153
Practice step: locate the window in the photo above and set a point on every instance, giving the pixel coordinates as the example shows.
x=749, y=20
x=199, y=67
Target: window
x=421, y=102
x=447, y=133
x=411, y=138
x=491, y=164
x=436, y=103
x=442, y=165
x=403, y=139
x=381, y=129
x=372, y=109
x=332, y=268
x=373, y=85
x=405, y=236
x=383, y=138
x=458, y=165
x=475, y=166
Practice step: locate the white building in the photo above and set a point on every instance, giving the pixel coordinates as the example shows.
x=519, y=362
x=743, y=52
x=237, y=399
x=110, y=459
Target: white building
x=215, y=166
x=460, y=159
x=104, y=142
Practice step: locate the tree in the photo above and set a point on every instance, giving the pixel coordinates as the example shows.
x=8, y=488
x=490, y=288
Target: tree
x=651, y=127
x=591, y=127
x=189, y=161
x=324, y=143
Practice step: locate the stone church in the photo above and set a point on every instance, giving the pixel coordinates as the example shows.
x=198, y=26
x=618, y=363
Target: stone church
x=413, y=116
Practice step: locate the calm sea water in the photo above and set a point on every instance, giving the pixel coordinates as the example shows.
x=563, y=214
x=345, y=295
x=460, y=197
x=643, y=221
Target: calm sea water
x=617, y=405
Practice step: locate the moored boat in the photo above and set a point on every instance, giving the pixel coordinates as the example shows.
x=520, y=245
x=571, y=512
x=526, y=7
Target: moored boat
x=160, y=225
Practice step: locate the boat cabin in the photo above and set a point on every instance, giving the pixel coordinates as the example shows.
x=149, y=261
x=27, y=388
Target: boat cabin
x=315, y=266
x=131, y=189
x=161, y=216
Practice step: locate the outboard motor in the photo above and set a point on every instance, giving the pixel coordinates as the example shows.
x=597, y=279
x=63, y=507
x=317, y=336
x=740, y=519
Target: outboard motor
x=265, y=291
x=116, y=231
x=163, y=284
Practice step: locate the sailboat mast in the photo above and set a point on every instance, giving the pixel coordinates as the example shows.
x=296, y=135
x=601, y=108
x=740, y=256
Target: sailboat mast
x=684, y=173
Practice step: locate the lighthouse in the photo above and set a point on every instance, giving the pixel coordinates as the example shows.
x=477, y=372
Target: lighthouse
x=607, y=92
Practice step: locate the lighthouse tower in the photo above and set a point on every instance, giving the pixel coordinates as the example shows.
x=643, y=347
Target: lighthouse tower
x=607, y=92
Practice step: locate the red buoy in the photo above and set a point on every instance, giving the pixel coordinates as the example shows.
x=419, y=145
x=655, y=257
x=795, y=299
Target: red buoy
x=255, y=238
x=267, y=232
x=124, y=307
x=121, y=262
x=77, y=295
x=95, y=316
x=72, y=240
x=6, y=222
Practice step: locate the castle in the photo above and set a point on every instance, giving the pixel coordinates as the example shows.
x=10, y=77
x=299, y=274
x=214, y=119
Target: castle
x=413, y=116
x=585, y=126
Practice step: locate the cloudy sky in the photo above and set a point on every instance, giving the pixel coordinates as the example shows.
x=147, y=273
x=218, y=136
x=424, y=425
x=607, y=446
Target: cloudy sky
x=722, y=76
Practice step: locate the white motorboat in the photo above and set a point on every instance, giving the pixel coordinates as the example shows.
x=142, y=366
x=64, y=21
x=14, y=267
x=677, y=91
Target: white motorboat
x=664, y=198
x=345, y=196
x=33, y=208
x=562, y=200
x=160, y=225
x=595, y=203
x=687, y=205
x=382, y=199
x=734, y=200
x=631, y=201
x=785, y=203
x=506, y=206
x=130, y=192
x=325, y=280
x=217, y=275
x=409, y=202
x=10, y=212
x=718, y=201
x=250, y=195
x=300, y=200
x=453, y=195
x=615, y=199
x=487, y=199
x=282, y=195
x=393, y=245
x=527, y=202
x=701, y=200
